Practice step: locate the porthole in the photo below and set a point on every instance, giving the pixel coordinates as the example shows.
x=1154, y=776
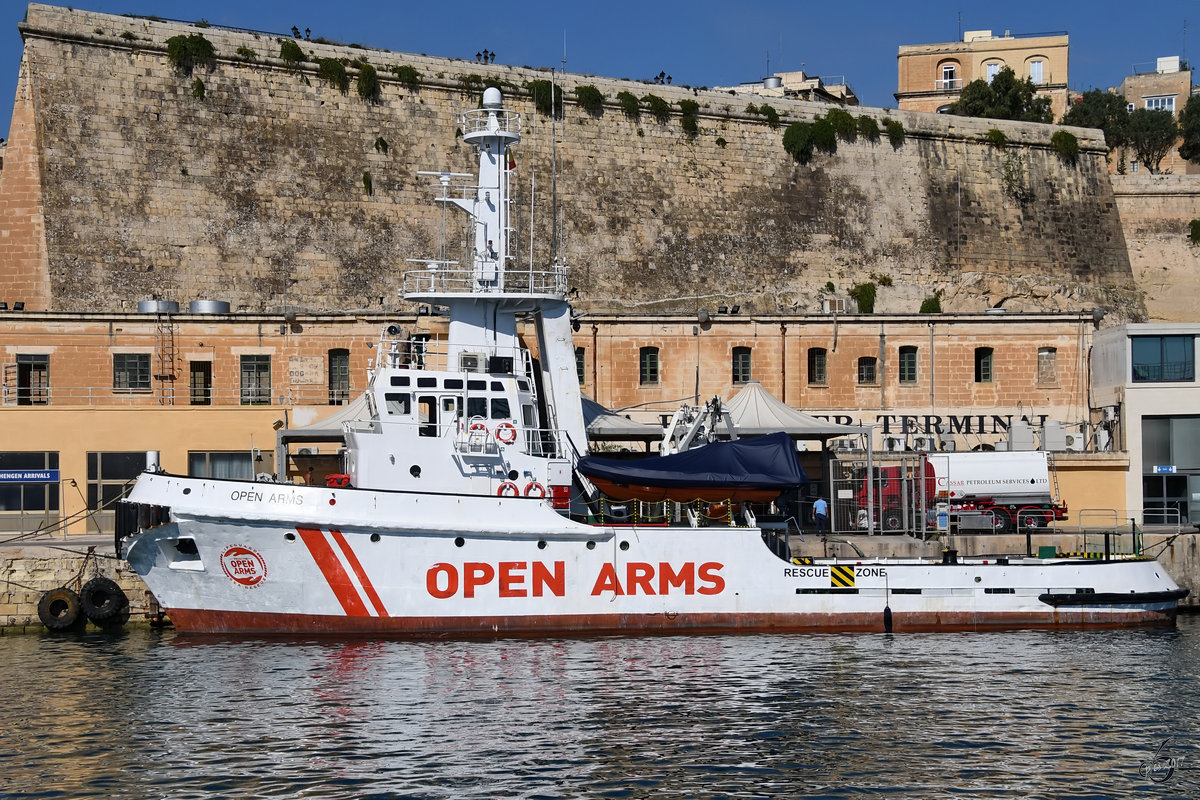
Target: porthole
x=459, y=542
x=624, y=545
x=374, y=537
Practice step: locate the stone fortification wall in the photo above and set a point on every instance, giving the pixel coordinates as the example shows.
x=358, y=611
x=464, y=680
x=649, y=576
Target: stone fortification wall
x=274, y=190
x=1156, y=211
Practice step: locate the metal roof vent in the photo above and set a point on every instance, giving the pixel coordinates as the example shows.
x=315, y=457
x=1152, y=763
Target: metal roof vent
x=209, y=307
x=158, y=307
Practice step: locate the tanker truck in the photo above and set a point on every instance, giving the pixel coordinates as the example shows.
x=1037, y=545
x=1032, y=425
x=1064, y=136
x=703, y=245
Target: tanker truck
x=999, y=491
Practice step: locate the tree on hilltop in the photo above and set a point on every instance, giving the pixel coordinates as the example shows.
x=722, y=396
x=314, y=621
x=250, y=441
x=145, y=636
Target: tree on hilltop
x=1104, y=110
x=1005, y=97
x=1189, y=128
x=1152, y=135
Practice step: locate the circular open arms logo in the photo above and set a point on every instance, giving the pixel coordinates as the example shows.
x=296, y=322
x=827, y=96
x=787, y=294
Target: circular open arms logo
x=243, y=565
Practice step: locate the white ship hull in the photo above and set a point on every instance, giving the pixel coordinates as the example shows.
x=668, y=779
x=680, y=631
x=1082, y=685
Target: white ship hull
x=324, y=567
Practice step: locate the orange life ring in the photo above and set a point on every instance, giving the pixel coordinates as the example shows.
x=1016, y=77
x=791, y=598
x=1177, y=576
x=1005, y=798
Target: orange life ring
x=508, y=489
x=534, y=486
x=506, y=433
x=478, y=426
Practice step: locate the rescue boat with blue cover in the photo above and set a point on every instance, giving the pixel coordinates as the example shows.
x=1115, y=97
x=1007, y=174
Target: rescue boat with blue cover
x=468, y=508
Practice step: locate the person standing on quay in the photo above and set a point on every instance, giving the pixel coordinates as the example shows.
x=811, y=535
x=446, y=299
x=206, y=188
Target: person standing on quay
x=821, y=514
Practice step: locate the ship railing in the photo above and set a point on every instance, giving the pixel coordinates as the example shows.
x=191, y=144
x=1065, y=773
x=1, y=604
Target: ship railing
x=439, y=278
x=431, y=352
x=478, y=120
x=538, y=442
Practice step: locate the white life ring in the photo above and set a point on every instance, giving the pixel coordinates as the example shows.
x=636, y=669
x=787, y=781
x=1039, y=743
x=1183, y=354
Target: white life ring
x=506, y=433
x=534, y=486
x=508, y=489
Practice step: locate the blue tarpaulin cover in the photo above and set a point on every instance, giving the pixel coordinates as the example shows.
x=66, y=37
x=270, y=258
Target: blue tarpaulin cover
x=764, y=462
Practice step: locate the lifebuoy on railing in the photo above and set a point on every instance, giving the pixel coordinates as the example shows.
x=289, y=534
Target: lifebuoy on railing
x=508, y=489
x=506, y=433
x=535, y=489
x=477, y=427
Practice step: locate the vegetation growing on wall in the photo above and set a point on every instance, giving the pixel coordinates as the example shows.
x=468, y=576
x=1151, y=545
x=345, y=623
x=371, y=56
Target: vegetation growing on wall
x=547, y=97
x=1100, y=109
x=895, y=132
x=864, y=295
x=590, y=98
x=659, y=108
x=333, y=72
x=996, y=138
x=769, y=114
x=843, y=124
x=689, y=110
x=408, y=76
x=188, y=52
x=1066, y=145
x=246, y=54
x=868, y=128
x=629, y=104
x=1194, y=231
x=721, y=142
x=368, y=185
x=198, y=89
x=932, y=305
x=381, y=145
x=290, y=52
x=367, y=82
x=798, y=141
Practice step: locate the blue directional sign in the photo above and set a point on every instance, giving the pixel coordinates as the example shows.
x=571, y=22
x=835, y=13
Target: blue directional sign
x=1164, y=469
x=28, y=476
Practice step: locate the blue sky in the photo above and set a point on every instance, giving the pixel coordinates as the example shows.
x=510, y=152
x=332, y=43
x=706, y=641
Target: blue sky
x=699, y=43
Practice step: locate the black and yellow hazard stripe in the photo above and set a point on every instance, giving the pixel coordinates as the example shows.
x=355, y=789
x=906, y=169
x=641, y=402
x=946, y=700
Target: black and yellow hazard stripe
x=802, y=560
x=841, y=577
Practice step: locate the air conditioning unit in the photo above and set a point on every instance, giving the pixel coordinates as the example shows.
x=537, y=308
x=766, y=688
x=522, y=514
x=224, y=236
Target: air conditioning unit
x=924, y=444
x=306, y=451
x=947, y=442
x=893, y=444
x=833, y=305
x=1075, y=441
x=470, y=362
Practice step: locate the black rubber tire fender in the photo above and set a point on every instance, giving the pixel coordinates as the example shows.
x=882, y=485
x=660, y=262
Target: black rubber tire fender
x=102, y=599
x=60, y=609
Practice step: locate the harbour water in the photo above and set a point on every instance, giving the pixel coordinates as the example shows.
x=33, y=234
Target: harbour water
x=1053, y=714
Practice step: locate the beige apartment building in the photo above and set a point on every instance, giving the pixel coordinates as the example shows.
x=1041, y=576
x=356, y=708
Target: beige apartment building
x=932, y=76
x=1166, y=87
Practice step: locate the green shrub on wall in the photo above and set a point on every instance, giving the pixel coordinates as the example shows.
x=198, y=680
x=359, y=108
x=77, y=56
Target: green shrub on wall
x=290, y=53
x=188, y=52
x=546, y=97
x=798, y=141
x=198, y=89
x=367, y=83
x=1066, y=145
x=333, y=72
x=1194, y=234
x=769, y=114
x=659, y=108
x=868, y=128
x=689, y=110
x=589, y=98
x=996, y=138
x=629, y=104
x=931, y=305
x=825, y=135
x=864, y=295
x=843, y=124
x=408, y=76
x=895, y=132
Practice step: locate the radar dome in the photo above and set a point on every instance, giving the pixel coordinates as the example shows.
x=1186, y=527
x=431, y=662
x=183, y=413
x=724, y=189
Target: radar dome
x=492, y=97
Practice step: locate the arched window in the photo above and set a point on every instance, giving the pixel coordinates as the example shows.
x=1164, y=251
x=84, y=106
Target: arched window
x=950, y=79
x=983, y=364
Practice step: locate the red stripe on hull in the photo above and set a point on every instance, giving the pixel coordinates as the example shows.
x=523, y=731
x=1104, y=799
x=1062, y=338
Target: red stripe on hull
x=339, y=580
x=357, y=566
x=200, y=621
